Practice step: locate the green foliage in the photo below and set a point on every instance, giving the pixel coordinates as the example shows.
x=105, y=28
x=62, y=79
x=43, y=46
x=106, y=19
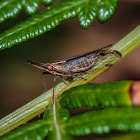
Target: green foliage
x=58, y=125
x=57, y=117
x=47, y=2
x=106, y=9
x=53, y=124
x=33, y=131
x=104, y=120
x=31, y=6
x=96, y=95
x=10, y=8
x=51, y=17
x=87, y=13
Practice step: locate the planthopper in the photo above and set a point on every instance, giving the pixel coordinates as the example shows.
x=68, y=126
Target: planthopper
x=79, y=65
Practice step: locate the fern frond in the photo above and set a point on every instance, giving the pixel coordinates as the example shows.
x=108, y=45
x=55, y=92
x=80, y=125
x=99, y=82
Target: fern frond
x=9, y=9
x=87, y=13
x=31, y=6
x=106, y=9
x=32, y=131
x=49, y=19
x=58, y=125
x=104, y=120
x=57, y=117
x=40, y=23
x=96, y=95
x=52, y=125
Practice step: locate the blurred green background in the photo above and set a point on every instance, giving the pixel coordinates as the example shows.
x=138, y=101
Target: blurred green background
x=20, y=82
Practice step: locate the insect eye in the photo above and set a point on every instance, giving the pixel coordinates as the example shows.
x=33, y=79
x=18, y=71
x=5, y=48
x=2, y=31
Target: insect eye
x=50, y=68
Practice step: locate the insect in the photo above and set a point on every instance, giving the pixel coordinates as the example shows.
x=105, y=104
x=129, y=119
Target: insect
x=81, y=64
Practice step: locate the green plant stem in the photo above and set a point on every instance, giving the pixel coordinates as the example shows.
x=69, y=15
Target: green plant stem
x=38, y=105
x=129, y=42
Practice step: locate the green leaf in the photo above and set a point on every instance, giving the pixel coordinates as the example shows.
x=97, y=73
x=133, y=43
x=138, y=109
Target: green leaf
x=87, y=13
x=47, y=20
x=62, y=113
x=9, y=9
x=54, y=119
x=105, y=120
x=47, y=2
x=57, y=117
x=33, y=131
x=95, y=95
x=106, y=9
x=31, y=6
x=39, y=24
x=58, y=124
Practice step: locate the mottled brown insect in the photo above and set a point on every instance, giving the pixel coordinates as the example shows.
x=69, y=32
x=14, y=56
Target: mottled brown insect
x=78, y=65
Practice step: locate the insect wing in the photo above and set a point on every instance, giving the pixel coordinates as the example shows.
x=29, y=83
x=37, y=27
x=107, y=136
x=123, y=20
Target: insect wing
x=87, y=62
x=84, y=54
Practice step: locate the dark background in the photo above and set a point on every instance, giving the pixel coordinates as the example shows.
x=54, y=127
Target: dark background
x=20, y=82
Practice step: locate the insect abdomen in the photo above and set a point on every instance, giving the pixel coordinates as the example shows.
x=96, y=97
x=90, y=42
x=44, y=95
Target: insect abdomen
x=79, y=64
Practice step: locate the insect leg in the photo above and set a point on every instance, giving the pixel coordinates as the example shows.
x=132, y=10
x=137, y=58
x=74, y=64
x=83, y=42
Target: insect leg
x=57, y=76
x=44, y=82
x=63, y=79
